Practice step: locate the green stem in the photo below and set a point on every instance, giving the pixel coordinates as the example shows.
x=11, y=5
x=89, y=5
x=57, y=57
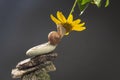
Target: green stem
x=72, y=10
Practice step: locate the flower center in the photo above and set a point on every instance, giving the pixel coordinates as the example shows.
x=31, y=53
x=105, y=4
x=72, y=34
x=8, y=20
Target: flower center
x=67, y=27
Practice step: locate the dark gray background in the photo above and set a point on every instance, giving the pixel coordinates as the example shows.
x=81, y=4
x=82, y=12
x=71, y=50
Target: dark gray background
x=89, y=55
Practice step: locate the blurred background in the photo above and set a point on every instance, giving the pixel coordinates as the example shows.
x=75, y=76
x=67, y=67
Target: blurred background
x=92, y=54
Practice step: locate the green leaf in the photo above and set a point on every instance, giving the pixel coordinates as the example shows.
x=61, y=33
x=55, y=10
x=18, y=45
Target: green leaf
x=97, y=2
x=107, y=3
x=83, y=2
x=81, y=6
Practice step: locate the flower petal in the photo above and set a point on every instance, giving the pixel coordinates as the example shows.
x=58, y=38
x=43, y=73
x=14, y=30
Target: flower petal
x=67, y=33
x=77, y=21
x=70, y=18
x=55, y=20
x=78, y=28
x=61, y=17
x=81, y=24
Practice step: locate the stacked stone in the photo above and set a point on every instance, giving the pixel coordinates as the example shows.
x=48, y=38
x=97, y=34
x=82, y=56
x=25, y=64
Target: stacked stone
x=35, y=68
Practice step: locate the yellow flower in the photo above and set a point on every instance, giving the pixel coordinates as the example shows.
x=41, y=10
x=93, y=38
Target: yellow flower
x=69, y=24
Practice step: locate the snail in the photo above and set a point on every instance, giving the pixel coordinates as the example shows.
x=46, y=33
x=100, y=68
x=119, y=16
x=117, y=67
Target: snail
x=54, y=37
